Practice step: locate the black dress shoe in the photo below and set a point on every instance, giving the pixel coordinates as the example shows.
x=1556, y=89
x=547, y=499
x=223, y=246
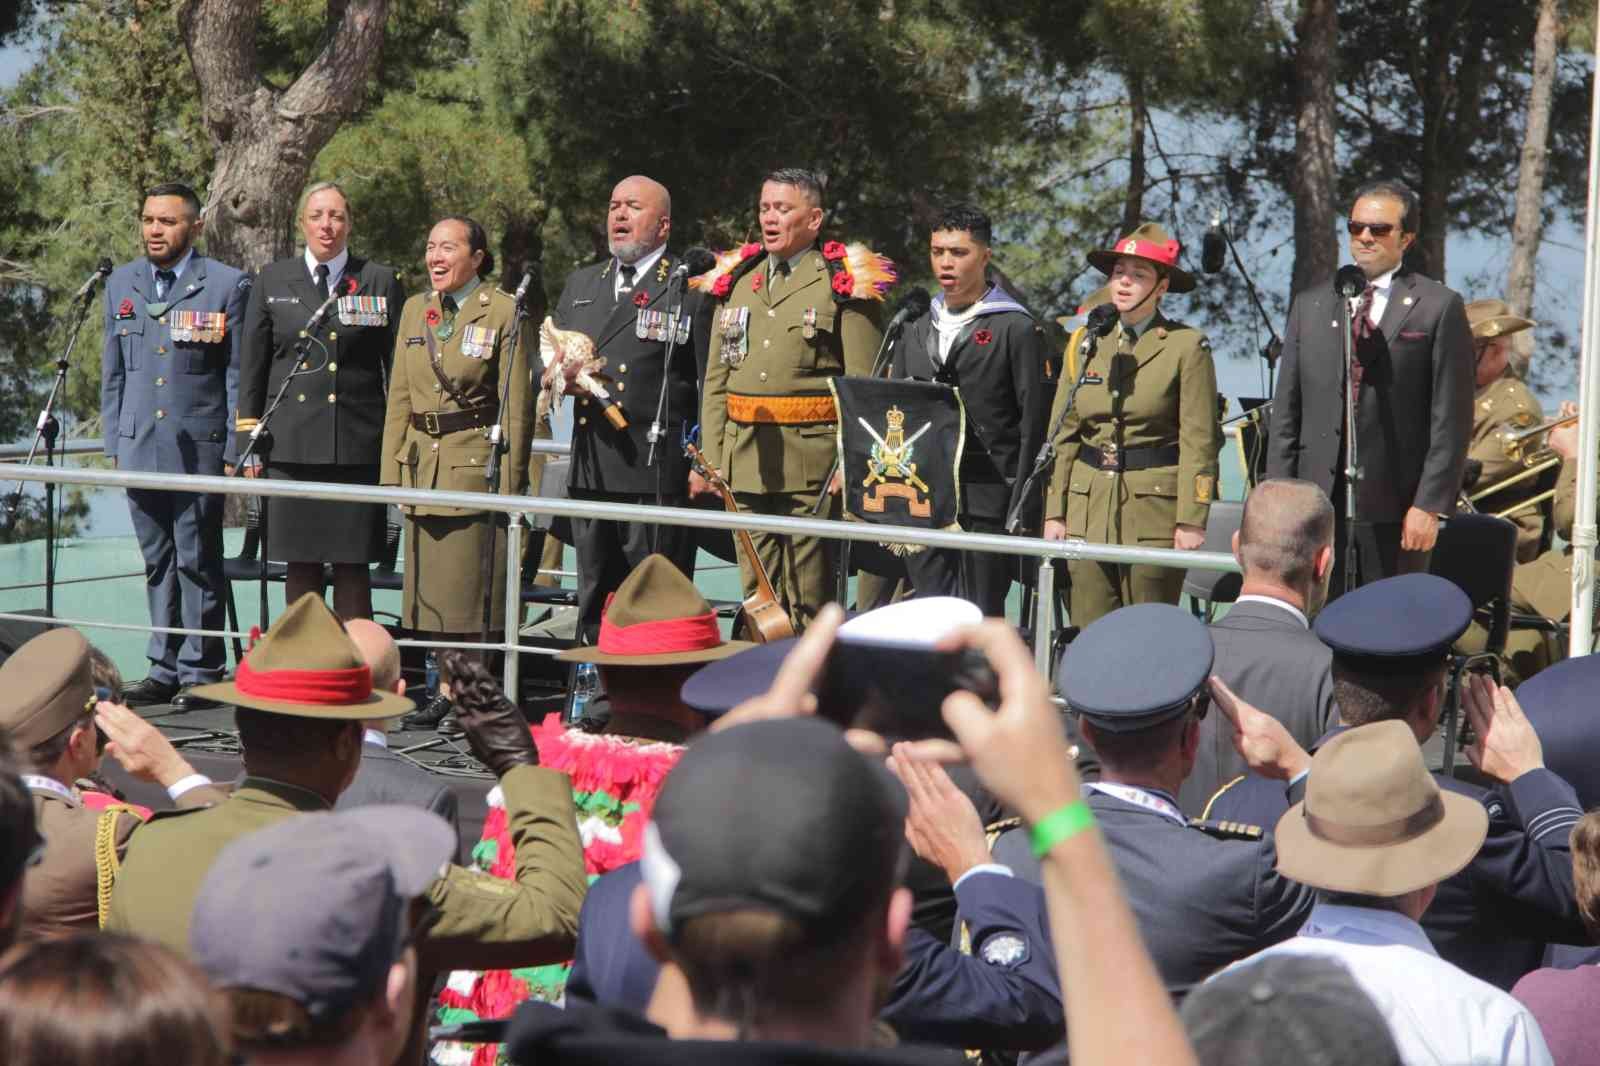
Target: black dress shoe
x=148, y=692
x=429, y=715
x=186, y=700
x=450, y=726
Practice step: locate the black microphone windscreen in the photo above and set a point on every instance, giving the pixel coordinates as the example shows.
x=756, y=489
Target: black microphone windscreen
x=1213, y=251
x=105, y=267
x=1100, y=319
x=1349, y=281
x=917, y=301
x=698, y=260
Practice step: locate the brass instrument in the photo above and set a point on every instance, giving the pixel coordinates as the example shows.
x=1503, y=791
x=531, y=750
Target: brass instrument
x=1515, y=442
x=1528, y=447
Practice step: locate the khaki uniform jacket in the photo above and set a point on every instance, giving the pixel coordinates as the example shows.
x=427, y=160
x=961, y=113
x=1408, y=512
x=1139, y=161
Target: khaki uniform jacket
x=1506, y=404
x=414, y=458
x=1162, y=393
x=782, y=361
x=485, y=922
x=1544, y=586
x=61, y=894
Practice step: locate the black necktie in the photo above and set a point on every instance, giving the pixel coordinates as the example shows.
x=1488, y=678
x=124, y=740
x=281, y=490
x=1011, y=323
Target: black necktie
x=322, y=280
x=780, y=270
x=626, y=273
x=448, y=302
x=164, y=280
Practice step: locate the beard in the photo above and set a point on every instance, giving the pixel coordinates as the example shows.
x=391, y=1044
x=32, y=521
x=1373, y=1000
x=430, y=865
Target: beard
x=629, y=251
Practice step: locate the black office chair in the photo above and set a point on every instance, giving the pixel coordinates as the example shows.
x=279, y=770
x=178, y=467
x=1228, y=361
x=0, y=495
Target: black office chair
x=1207, y=588
x=1477, y=553
x=246, y=567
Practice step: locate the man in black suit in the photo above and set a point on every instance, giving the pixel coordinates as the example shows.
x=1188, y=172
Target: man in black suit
x=1266, y=651
x=384, y=777
x=979, y=339
x=1414, y=383
x=623, y=305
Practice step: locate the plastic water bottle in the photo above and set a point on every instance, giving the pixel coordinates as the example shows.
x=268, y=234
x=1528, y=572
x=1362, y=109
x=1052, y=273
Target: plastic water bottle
x=430, y=669
x=585, y=686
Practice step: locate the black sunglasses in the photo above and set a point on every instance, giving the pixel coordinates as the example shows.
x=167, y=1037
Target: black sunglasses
x=1377, y=229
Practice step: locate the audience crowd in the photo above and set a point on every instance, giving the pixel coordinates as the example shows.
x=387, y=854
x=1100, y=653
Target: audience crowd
x=1221, y=843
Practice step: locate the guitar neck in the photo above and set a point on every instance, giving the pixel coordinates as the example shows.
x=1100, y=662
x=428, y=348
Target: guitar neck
x=714, y=479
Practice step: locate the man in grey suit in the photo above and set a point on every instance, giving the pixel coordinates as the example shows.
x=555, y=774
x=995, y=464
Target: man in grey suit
x=169, y=382
x=1264, y=644
x=1414, y=387
x=384, y=777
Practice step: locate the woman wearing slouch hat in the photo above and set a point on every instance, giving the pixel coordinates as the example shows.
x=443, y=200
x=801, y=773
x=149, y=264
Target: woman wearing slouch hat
x=1136, y=458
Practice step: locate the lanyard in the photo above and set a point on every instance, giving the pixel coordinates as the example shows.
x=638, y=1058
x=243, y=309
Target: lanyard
x=1153, y=801
x=51, y=785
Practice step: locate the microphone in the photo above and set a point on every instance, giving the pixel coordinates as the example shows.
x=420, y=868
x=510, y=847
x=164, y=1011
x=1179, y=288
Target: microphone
x=913, y=305
x=696, y=261
x=101, y=271
x=346, y=287
x=523, y=286
x=1349, y=281
x=1100, y=320
x=1214, y=246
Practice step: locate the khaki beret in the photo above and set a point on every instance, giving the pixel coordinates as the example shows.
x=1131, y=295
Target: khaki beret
x=45, y=686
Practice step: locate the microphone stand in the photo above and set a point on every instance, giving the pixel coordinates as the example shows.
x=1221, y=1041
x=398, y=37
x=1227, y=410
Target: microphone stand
x=1352, y=465
x=1047, y=450
x=498, y=446
x=1274, y=347
x=658, y=424
x=46, y=428
x=260, y=446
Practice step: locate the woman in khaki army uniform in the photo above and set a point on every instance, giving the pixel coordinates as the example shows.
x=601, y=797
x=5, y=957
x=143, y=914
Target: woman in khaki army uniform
x=449, y=362
x=1136, y=459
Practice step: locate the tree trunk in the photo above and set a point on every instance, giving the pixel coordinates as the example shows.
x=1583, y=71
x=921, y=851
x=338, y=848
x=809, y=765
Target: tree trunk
x=1314, y=184
x=266, y=139
x=1529, y=222
x=1133, y=204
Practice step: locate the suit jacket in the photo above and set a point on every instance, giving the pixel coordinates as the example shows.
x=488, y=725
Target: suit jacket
x=331, y=415
x=164, y=403
x=1494, y=917
x=606, y=459
x=779, y=360
x=484, y=922
x=1002, y=390
x=1274, y=663
x=385, y=777
x=61, y=894
x=1414, y=416
x=414, y=458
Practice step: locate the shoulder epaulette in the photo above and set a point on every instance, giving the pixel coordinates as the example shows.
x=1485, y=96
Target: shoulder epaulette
x=1226, y=830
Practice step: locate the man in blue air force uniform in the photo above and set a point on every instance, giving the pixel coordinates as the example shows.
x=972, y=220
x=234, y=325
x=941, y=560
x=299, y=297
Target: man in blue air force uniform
x=169, y=380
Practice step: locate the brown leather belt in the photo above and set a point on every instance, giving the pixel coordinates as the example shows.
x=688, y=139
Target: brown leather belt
x=439, y=423
x=1111, y=457
x=783, y=410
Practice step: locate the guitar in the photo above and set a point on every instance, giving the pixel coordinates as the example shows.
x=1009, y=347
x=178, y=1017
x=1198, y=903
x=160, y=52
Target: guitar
x=765, y=620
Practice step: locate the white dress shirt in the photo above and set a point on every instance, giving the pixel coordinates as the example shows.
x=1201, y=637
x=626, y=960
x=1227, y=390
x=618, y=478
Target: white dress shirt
x=1285, y=605
x=641, y=267
x=1437, y=1012
x=1382, y=285
x=335, y=266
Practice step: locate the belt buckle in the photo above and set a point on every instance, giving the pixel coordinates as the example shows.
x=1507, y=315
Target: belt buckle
x=430, y=422
x=1109, y=457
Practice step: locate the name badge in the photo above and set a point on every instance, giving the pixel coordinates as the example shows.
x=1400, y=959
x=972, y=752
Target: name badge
x=199, y=327
x=415, y=342
x=477, y=342
x=734, y=325
x=363, y=310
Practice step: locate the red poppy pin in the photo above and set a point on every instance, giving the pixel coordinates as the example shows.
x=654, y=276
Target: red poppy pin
x=843, y=283
x=833, y=250
x=723, y=286
x=757, y=281
x=641, y=298
x=982, y=337
x=125, y=309
x=432, y=317
x=350, y=286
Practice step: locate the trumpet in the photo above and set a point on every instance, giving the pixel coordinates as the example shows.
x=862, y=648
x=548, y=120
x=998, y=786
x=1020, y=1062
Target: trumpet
x=1518, y=444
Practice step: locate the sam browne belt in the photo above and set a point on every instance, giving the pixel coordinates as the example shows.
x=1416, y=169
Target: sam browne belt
x=440, y=423
x=1111, y=457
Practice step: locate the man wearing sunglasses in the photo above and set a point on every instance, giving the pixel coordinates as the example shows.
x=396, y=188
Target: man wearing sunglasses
x=1413, y=382
x=48, y=708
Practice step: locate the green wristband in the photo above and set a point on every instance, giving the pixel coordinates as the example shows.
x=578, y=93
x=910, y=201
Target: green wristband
x=1063, y=823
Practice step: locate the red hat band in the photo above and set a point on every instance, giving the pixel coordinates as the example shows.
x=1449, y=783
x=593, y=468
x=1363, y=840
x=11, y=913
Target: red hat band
x=662, y=637
x=331, y=687
x=1165, y=254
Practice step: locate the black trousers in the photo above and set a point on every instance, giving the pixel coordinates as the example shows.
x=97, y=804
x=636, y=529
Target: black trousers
x=984, y=578
x=608, y=551
x=1377, y=549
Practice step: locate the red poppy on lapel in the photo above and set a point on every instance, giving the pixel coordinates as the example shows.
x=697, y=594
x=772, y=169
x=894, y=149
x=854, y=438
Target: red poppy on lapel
x=125, y=309
x=756, y=282
x=641, y=298
x=983, y=336
x=432, y=317
x=350, y=285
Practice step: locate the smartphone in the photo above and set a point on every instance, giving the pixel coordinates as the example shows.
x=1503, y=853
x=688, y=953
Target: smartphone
x=897, y=690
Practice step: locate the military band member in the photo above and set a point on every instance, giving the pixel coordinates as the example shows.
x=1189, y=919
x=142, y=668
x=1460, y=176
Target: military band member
x=1543, y=586
x=450, y=361
x=787, y=316
x=1502, y=404
x=330, y=423
x=622, y=304
x=1136, y=458
x=980, y=340
x=169, y=376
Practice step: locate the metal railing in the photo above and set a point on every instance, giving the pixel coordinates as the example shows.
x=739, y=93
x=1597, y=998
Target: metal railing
x=1045, y=551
